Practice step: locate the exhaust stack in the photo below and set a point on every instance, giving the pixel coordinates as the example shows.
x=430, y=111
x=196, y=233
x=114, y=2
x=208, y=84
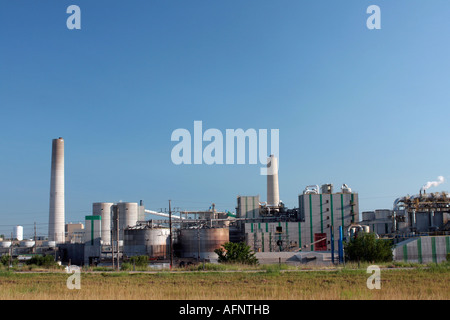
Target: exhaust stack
x=56, y=219
x=273, y=193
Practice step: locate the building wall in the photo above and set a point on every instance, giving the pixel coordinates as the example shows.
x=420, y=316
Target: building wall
x=248, y=207
x=325, y=210
x=273, y=236
x=381, y=221
x=93, y=229
x=423, y=250
x=74, y=232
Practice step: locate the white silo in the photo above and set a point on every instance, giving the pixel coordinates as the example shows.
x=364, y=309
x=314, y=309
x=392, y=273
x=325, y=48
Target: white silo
x=103, y=209
x=18, y=232
x=128, y=217
x=57, y=208
x=273, y=194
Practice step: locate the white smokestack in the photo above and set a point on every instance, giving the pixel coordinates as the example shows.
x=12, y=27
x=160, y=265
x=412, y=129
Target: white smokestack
x=430, y=184
x=57, y=208
x=273, y=193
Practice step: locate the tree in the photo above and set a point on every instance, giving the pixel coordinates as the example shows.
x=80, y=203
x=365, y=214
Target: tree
x=42, y=261
x=366, y=247
x=139, y=261
x=232, y=252
x=6, y=259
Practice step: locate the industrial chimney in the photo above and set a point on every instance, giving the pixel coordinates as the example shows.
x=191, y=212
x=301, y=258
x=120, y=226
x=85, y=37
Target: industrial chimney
x=57, y=213
x=273, y=195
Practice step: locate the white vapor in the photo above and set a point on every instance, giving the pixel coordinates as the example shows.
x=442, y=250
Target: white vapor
x=430, y=184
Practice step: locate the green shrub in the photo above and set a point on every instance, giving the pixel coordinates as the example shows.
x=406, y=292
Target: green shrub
x=5, y=259
x=42, y=261
x=368, y=248
x=135, y=263
x=126, y=266
x=139, y=261
x=231, y=252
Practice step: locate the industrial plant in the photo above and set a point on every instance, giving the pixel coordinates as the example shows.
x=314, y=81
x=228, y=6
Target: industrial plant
x=313, y=232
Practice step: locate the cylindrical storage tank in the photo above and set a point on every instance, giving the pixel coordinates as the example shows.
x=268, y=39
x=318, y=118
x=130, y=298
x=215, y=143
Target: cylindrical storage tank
x=368, y=215
x=152, y=242
x=382, y=214
x=103, y=209
x=18, y=232
x=50, y=244
x=128, y=217
x=5, y=244
x=27, y=243
x=201, y=242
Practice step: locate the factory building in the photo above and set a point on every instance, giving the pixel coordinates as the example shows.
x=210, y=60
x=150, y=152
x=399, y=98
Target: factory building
x=92, y=238
x=74, y=232
x=421, y=213
x=248, y=207
x=271, y=227
x=307, y=228
x=117, y=231
x=324, y=212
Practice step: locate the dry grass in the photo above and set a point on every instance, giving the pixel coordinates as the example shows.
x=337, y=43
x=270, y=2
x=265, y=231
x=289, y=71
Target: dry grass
x=404, y=284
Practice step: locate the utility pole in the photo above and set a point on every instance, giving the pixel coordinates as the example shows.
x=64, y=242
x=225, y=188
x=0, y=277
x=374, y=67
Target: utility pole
x=198, y=243
x=112, y=246
x=117, y=231
x=10, y=255
x=35, y=243
x=170, y=235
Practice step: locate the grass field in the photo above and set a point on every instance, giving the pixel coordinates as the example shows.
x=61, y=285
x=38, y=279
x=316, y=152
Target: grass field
x=270, y=283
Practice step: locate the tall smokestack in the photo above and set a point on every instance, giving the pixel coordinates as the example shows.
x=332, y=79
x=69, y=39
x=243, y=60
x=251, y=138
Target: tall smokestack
x=57, y=213
x=273, y=195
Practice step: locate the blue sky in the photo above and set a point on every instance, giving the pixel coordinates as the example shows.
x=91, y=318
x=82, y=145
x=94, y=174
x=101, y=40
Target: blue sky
x=368, y=108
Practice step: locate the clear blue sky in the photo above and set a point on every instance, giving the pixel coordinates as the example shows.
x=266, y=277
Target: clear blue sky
x=369, y=108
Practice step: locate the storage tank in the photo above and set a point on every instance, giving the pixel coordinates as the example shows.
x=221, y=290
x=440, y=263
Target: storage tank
x=382, y=214
x=50, y=244
x=18, y=232
x=27, y=243
x=5, y=244
x=104, y=210
x=128, y=217
x=153, y=242
x=201, y=242
x=368, y=215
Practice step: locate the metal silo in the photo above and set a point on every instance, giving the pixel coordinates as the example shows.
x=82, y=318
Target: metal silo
x=144, y=240
x=5, y=244
x=200, y=243
x=18, y=231
x=128, y=216
x=104, y=209
x=57, y=207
